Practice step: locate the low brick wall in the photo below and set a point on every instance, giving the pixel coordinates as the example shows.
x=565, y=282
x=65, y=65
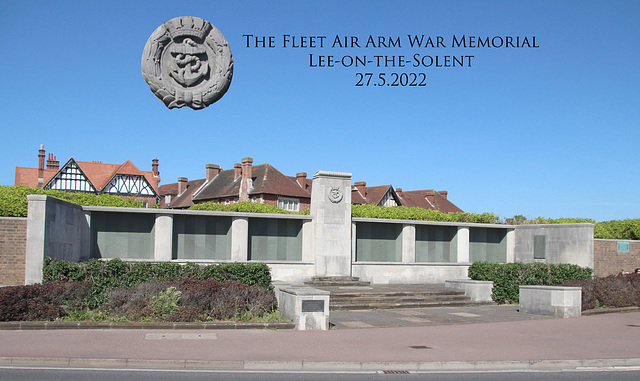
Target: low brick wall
x=609, y=261
x=13, y=246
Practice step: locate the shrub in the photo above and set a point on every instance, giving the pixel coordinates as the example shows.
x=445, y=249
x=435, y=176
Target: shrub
x=618, y=229
x=114, y=273
x=188, y=300
x=508, y=277
x=244, y=207
x=406, y=213
x=13, y=199
x=611, y=291
x=42, y=302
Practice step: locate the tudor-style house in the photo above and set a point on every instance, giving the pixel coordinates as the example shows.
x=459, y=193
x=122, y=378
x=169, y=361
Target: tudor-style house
x=265, y=184
x=92, y=177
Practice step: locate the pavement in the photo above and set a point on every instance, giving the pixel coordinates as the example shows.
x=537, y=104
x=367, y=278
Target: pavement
x=481, y=338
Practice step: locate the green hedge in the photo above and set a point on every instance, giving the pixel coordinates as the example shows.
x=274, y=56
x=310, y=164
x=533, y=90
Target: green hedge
x=244, y=207
x=618, y=229
x=117, y=273
x=13, y=199
x=420, y=214
x=508, y=277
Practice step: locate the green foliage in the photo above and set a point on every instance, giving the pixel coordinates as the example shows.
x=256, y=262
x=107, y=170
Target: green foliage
x=13, y=199
x=612, y=291
x=508, y=277
x=166, y=302
x=406, y=213
x=522, y=220
x=618, y=229
x=244, y=207
x=105, y=275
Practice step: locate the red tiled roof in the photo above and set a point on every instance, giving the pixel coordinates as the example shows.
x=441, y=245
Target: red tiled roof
x=182, y=200
x=99, y=174
x=428, y=199
x=266, y=180
x=373, y=195
x=29, y=176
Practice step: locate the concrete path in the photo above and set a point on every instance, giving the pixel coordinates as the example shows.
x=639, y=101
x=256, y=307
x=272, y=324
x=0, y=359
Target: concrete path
x=607, y=340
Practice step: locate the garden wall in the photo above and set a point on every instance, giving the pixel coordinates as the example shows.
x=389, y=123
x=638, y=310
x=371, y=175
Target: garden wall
x=13, y=244
x=611, y=257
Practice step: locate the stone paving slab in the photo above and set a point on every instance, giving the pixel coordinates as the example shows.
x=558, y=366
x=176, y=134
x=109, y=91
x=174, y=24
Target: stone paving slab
x=416, y=317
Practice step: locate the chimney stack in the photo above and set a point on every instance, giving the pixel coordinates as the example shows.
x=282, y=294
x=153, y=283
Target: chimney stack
x=52, y=163
x=246, y=185
x=246, y=167
x=361, y=187
x=41, y=166
x=182, y=185
x=237, y=170
x=430, y=196
x=443, y=193
x=154, y=167
x=399, y=191
x=212, y=171
x=301, y=178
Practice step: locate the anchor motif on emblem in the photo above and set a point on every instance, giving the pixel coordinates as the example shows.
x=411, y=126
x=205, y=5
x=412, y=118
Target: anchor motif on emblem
x=187, y=62
x=335, y=195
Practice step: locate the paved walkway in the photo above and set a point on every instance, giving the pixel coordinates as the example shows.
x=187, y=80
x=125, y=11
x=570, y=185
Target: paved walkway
x=419, y=317
x=472, y=338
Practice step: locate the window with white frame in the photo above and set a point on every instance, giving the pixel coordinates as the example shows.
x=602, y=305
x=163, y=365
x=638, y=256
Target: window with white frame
x=289, y=204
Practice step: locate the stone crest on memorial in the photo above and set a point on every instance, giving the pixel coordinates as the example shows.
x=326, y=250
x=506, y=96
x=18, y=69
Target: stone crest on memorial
x=335, y=195
x=187, y=62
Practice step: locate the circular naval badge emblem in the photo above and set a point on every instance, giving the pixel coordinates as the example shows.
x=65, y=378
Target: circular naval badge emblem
x=187, y=62
x=335, y=195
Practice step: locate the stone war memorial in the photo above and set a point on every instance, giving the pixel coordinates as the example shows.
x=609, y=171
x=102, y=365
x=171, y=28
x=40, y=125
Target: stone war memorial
x=187, y=62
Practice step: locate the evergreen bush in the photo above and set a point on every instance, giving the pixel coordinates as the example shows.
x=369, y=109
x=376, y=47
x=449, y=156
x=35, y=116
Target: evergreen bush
x=508, y=277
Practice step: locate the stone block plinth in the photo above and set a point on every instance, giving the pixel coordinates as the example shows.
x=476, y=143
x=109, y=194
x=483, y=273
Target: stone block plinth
x=554, y=301
x=477, y=290
x=307, y=307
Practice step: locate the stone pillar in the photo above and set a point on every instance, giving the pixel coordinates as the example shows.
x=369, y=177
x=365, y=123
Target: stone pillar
x=85, y=241
x=331, y=212
x=307, y=242
x=408, y=243
x=463, y=244
x=34, y=259
x=511, y=245
x=163, y=240
x=240, y=239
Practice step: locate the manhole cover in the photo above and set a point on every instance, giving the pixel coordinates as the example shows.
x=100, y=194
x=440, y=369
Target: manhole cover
x=395, y=371
x=419, y=347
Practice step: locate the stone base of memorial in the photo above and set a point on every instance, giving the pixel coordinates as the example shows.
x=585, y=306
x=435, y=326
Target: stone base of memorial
x=554, y=301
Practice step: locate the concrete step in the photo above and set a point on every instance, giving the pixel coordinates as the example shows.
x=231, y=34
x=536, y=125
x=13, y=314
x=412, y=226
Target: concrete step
x=336, y=281
x=342, y=299
x=397, y=299
x=370, y=306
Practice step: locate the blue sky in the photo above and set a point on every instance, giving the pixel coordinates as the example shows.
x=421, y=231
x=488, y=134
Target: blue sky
x=549, y=131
